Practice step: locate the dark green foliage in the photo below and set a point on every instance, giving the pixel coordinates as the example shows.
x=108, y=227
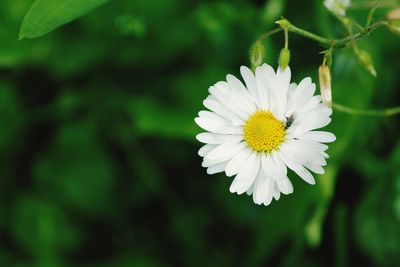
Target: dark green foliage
x=98, y=158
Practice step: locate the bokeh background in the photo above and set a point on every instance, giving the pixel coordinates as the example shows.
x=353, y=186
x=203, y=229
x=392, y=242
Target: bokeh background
x=98, y=157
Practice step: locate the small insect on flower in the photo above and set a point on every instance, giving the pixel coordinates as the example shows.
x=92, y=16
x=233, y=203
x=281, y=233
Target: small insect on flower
x=289, y=121
x=257, y=131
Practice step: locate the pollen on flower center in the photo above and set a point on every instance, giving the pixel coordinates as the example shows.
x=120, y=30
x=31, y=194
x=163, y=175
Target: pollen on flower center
x=263, y=132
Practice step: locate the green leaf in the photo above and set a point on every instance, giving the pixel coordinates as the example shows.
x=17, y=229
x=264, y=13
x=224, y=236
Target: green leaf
x=46, y=15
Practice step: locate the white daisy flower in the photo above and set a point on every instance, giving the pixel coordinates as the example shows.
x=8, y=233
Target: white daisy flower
x=256, y=131
x=337, y=7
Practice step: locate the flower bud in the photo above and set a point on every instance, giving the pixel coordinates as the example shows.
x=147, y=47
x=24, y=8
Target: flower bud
x=325, y=85
x=337, y=7
x=327, y=57
x=284, y=23
x=394, y=23
x=393, y=17
x=257, y=54
x=284, y=58
x=394, y=26
x=393, y=14
x=366, y=61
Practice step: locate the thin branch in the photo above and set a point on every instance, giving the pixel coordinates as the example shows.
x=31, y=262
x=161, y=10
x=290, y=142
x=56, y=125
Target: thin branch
x=367, y=112
x=267, y=34
x=334, y=43
x=309, y=35
x=286, y=39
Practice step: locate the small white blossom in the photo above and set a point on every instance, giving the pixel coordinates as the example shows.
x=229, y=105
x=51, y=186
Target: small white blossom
x=337, y=7
x=257, y=131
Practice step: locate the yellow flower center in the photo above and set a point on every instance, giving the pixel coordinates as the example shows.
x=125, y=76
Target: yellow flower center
x=263, y=132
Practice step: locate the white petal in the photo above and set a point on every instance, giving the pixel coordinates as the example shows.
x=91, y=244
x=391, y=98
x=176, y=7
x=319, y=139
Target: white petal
x=212, y=116
x=268, y=165
x=204, y=150
x=246, y=175
x=312, y=103
x=302, y=85
x=214, y=138
x=292, y=87
x=319, y=160
x=217, y=127
x=225, y=151
x=250, y=190
x=296, y=93
x=312, y=145
x=241, y=92
x=237, y=162
x=305, y=175
x=263, y=188
x=251, y=84
x=219, y=108
x=219, y=167
x=283, y=78
x=325, y=155
x=314, y=168
x=285, y=185
x=298, y=168
x=265, y=79
x=208, y=162
x=224, y=95
x=289, y=161
x=319, y=136
x=304, y=97
x=281, y=90
x=232, y=98
x=277, y=192
x=268, y=199
x=309, y=121
x=280, y=166
x=298, y=151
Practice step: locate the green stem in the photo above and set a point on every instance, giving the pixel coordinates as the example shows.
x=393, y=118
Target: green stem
x=286, y=39
x=367, y=112
x=309, y=35
x=267, y=34
x=371, y=13
x=334, y=43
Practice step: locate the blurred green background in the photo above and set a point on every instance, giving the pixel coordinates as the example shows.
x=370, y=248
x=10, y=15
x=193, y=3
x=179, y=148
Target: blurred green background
x=98, y=157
